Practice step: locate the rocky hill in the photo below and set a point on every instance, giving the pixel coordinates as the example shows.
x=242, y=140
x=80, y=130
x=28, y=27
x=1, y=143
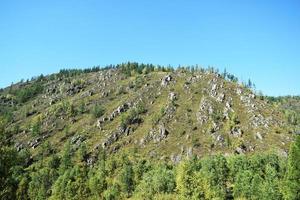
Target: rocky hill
x=159, y=112
x=135, y=131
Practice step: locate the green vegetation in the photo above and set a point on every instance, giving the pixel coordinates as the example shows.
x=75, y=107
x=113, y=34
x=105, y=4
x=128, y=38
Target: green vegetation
x=259, y=176
x=28, y=92
x=292, y=177
x=97, y=111
x=189, y=133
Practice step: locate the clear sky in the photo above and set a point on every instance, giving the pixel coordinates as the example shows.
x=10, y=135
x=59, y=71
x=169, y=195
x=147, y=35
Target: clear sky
x=256, y=39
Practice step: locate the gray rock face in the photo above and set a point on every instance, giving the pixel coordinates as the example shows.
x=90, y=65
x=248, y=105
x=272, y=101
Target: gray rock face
x=87, y=94
x=114, y=136
x=119, y=110
x=35, y=142
x=74, y=89
x=163, y=132
x=147, y=138
x=205, y=109
x=165, y=81
x=259, y=120
x=241, y=149
x=227, y=109
x=7, y=100
x=19, y=146
x=238, y=91
x=101, y=121
x=258, y=136
x=172, y=96
x=221, y=97
x=90, y=161
x=175, y=158
x=77, y=140
x=236, y=132
x=155, y=136
x=189, y=152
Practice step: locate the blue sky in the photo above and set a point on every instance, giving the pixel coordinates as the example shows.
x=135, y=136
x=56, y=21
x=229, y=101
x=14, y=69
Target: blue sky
x=253, y=39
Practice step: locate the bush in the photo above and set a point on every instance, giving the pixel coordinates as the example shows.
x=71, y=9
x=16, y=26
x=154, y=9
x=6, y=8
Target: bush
x=36, y=127
x=133, y=115
x=158, y=116
x=98, y=111
x=27, y=93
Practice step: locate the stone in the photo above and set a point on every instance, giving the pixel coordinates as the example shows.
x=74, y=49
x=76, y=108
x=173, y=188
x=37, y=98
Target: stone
x=172, y=96
x=258, y=136
x=19, y=146
x=162, y=134
x=241, y=149
x=34, y=143
x=189, y=152
x=228, y=105
x=175, y=158
x=77, y=140
x=165, y=81
x=221, y=97
x=162, y=131
x=90, y=161
x=236, y=132
x=220, y=139
x=214, y=87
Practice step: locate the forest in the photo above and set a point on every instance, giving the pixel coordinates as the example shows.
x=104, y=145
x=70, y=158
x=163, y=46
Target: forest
x=257, y=176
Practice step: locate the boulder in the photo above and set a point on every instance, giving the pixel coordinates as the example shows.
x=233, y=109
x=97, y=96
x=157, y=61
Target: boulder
x=175, y=158
x=258, y=136
x=236, y=132
x=241, y=149
x=189, y=152
x=162, y=131
x=165, y=80
x=172, y=96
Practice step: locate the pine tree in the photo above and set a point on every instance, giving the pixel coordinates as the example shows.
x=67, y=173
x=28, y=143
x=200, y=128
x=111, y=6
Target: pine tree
x=292, y=179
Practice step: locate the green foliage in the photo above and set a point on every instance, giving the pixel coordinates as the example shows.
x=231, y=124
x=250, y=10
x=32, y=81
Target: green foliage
x=7, y=162
x=259, y=176
x=112, y=193
x=66, y=160
x=28, y=92
x=292, y=177
x=126, y=178
x=72, y=184
x=158, y=116
x=82, y=152
x=41, y=182
x=11, y=168
x=133, y=115
x=97, y=181
x=81, y=108
x=46, y=149
x=158, y=180
x=97, y=111
x=36, y=127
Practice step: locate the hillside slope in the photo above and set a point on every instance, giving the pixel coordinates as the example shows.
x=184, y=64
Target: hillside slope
x=161, y=113
x=135, y=131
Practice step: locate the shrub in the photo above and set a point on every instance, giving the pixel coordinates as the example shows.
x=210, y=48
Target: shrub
x=98, y=111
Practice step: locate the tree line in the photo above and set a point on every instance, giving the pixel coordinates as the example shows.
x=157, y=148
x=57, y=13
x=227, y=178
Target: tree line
x=128, y=175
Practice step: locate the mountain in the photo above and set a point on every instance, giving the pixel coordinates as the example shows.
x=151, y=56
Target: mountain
x=161, y=114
